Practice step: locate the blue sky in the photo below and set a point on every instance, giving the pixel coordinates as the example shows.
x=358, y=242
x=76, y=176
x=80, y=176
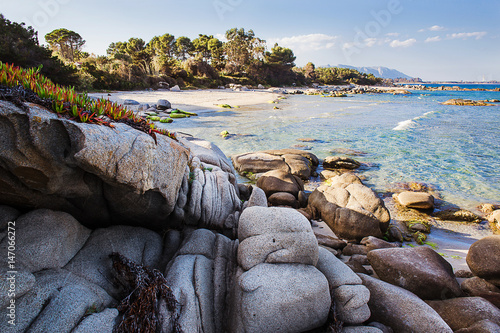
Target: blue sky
x=431, y=39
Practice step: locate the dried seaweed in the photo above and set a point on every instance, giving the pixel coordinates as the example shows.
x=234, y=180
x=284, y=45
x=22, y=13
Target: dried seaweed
x=146, y=288
x=335, y=325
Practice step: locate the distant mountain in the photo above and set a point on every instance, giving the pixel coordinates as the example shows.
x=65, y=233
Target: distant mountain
x=383, y=72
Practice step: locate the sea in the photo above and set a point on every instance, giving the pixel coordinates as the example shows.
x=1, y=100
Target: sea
x=399, y=138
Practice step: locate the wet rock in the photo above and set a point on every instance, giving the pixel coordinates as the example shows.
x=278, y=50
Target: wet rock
x=418, y=200
x=483, y=258
x=464, y=312
x=459, y=215
x=280, y=181
x=400, y=309
x=283, y=199
x=460, y=101
x=420, y=270
x=337, y=162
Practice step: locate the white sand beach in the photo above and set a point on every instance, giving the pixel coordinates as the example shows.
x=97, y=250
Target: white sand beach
x=194, y=100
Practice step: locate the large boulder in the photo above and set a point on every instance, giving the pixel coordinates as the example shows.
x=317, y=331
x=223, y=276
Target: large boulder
x=277, y=288
x=483, y=326
x=464, y=312
x=93, y=263
x=483, y=258
x=275, y=235
x=280, y=298
x=420, y=270
x=280, y=181
x=297, y=162
x=100, y=175
x=46, y=239
x=351, y=210
x=400, y=309
x=102, y=322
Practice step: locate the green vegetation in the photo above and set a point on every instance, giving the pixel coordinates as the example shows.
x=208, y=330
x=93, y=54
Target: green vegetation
x=204, y=62
x=66, y=102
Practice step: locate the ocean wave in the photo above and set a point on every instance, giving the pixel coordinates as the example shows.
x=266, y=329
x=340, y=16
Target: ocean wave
x=404, y=125
x=411, y=123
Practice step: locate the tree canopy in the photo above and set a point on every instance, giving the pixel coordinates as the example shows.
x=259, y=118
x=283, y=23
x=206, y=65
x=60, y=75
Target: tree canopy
x=67, y=43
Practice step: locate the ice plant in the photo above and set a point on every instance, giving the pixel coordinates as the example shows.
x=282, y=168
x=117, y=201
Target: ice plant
x=66, y=102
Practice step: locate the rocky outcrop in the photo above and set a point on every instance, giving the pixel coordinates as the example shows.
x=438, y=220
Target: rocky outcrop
x=104, y=176
x=277, y=287
x=100, y=175
x=483, y=258
x=420, y=270
x=200, y=275
x=339, y=162
x=400, y=309
x=352, y=210
x=462, y=102
x=209, y=194
x=297, y=162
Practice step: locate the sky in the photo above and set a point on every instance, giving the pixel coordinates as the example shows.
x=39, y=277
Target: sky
x=447, y=40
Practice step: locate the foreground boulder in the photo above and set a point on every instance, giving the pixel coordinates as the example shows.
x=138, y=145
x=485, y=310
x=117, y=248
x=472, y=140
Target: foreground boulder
x=297, y=162
x=464, y=312
x=351, y=210
x=100, y=175
x=483, y=258
x=277, y=288
x=420, y=270
x=400, y=309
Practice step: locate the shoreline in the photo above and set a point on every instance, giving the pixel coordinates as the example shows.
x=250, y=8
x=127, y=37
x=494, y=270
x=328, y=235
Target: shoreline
x=194, y=100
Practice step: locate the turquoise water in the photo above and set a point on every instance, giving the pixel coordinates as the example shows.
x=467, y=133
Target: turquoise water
x=403, y=138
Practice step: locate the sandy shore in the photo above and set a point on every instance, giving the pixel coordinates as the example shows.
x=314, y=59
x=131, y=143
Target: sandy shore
x=194, y=100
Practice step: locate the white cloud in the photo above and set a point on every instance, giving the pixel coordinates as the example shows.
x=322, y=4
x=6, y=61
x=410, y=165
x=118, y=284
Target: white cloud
x=221, y=37
x=433, y=39
x=436, y=28
x=392, y=34
x=370, y=42
x=314, y=42
x=465, y=35
x=433, y=28
x=404, y=43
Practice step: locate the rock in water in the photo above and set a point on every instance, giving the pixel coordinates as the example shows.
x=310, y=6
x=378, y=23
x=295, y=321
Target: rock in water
x=419, y=200
x=400, y=309
x=420, y=270
x=337, y=162
x=163, y=104
x=100, y=175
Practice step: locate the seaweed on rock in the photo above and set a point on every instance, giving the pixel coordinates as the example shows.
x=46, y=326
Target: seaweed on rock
x=147, y=288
